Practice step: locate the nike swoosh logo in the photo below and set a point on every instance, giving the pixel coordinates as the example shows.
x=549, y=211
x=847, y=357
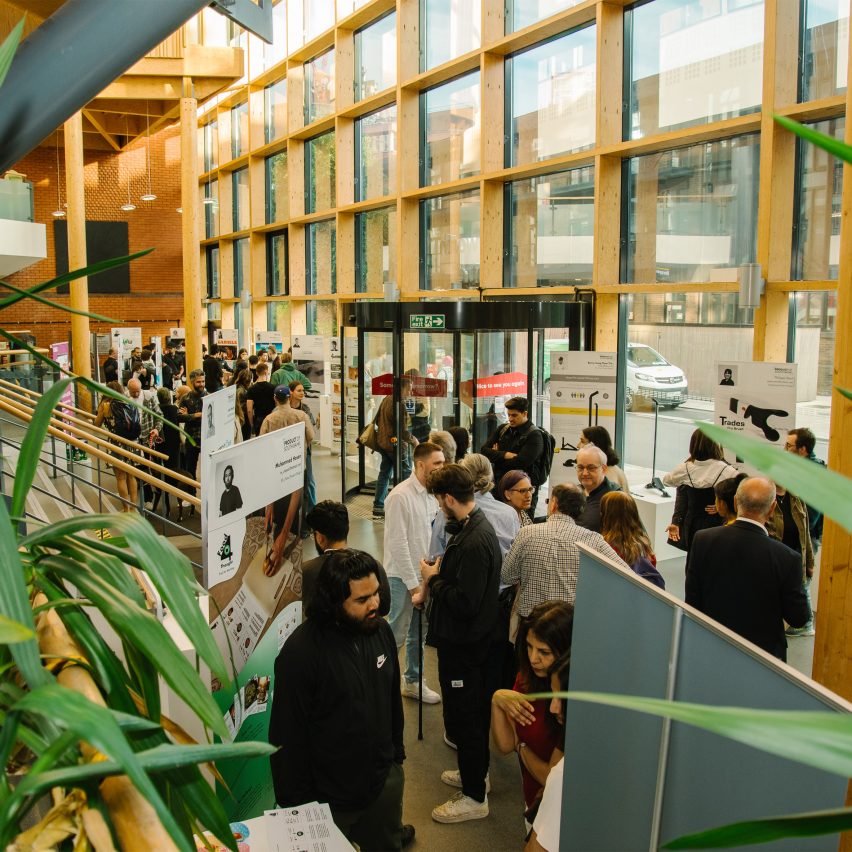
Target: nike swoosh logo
x=380, y=661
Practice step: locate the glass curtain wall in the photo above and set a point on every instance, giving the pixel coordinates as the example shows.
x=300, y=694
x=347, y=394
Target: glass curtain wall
x=375, y=147
x=552, y=98
x=321, y=317
x=550, y=229
x=375, y=57
x=277, y=188
x=449, y=252
x=239, y=130
x=449, y=28
x=240, y=199
x=211, y=209
x=692, y=212
x=321, y=249
x=277, y=282
x=210, y=134
x=375, y=250
x=523, y=13
x=212, y=255
x=275, y=110
x=825, y=49
x=450, y=128
x=319, y=87
x=320, y=173
x=691, y=63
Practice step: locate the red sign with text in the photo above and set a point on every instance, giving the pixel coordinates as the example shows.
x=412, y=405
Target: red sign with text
x=420, y=385
x=503, y=384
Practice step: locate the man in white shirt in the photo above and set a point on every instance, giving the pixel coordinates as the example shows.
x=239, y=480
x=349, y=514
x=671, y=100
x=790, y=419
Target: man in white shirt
x=409, y=512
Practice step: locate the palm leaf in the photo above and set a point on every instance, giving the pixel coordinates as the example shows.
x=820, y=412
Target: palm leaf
x=13, y=631
x=30, y=455
x=8, y=49
x=825, y=490
x=28, y=294
x=828, y=143
x=844, y=392
x=138, y=626
x=66, y=278
x=766, y=830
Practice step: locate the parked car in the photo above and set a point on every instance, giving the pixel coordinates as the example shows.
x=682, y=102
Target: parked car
x=649, y=376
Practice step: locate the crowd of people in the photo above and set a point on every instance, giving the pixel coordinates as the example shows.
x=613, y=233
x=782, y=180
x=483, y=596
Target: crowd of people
x=471, y=571
x=154, y=405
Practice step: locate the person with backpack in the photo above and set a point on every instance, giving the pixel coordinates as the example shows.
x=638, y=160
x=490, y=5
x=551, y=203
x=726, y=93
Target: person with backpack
x=122, y=419
x=519, y=445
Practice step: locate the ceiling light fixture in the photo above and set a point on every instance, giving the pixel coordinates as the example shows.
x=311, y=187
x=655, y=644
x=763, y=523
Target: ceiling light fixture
x=59, y=213
x=148, y=196
x=130, y=205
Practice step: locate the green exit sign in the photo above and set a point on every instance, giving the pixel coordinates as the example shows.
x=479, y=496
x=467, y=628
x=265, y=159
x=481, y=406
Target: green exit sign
x=427, y=321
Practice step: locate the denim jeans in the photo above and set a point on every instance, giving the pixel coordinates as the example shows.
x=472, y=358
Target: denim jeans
x=310, y=483
x=385, y=471
x=403, y=622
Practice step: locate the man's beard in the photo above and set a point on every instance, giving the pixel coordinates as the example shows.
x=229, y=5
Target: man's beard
x=365, y=626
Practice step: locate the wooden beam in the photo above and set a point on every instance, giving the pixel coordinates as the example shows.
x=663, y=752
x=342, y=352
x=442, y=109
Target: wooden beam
x=98, y=125
x=190, y=228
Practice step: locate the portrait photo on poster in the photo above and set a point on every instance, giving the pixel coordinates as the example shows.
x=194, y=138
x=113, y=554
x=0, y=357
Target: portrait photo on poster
x=728, y=376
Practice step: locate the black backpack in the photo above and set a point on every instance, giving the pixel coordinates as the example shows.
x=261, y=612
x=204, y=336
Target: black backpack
x=541, y=466
x=125, y=419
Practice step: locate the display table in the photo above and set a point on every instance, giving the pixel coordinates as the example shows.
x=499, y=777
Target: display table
x=656, y=514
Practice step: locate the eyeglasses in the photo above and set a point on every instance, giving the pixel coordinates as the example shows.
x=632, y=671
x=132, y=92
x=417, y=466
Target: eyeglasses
x=583, y=468
x=522, y=490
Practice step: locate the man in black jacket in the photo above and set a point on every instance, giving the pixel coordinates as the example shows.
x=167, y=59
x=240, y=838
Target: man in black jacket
x=189, y=414
x=462, y=588
x=745, y=580
x=515, y=445
x=337, y=709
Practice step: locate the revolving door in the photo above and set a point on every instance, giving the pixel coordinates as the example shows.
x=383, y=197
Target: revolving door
x=446, y=364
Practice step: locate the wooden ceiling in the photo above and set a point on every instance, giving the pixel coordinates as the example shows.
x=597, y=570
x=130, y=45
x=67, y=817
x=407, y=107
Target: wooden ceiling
x=146, y=98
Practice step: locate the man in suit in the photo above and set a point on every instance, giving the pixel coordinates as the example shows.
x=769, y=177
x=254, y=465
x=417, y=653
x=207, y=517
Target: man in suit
x=745, y=580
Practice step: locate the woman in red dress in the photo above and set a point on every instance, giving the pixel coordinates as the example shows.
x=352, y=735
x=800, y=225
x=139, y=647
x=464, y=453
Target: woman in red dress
x=526, y=727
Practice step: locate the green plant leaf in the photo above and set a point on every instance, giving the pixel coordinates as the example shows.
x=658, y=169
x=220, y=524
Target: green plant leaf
x=818, y=486
x=817, y=739
x=73, y=275
x=828, y=143
x=169, y=570
x=766, y=830
x=138, y=626
x=15, y=602
x=14, y=631
x=30, y=456
x=8, y=49
x=97, y=726
x=844, y=392
x=28, y=294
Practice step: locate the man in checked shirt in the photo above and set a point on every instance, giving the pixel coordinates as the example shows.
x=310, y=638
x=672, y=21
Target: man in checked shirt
x=544, y=558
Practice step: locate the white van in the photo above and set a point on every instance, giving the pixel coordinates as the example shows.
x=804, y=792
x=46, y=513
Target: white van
x=649, y=376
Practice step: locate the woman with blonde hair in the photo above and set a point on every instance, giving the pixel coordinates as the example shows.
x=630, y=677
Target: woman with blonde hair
x=624, y=532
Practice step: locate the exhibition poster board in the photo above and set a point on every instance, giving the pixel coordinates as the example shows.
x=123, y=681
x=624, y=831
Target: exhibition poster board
x=264, y=339
x=124, y=341
x=756, y=398
x=335, y=368
x=253, y=498
x=217, y=433
x=157, y=347
x=309, y=351
x=582, y=393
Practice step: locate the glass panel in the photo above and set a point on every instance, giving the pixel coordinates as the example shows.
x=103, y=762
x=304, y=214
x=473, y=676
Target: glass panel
x=693, y=62
x=693, y=212
x=553, y=98
x=376, y=139
x=277, y=51
x=347, y=7
x=239, y=130
x=450, y=140
x=321, y=317
x=321, y=174
x=213, y=289
x=672, y=335
x=319, y=87
x=240, y=201
x=522, y=13
x=278, y=317
x=449, y=257
x=211, y=209
x=295, y=25
x=211, y=146
x=816, y=313
x=242, y=272
x=375, y=248
x=276, y=264
x=430, y=354
x=825, y=50
x=318, y=16
x=321, y=243
x=275, y=110
x=552, y=221
x=451, y=28
x=816, y=239
x=277, y=188
x=375, y=57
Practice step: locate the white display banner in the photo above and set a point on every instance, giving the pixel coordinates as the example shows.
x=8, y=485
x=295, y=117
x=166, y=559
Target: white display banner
x=582, y=393
x=335, y=371
x=252, y=564
x=217, y=431
x=756, y=398
x=125, y=340
x=265, y=339
x=309, y=356
x=157, y=346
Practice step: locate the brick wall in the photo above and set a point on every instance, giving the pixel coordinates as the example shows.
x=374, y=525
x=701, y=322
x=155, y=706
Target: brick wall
x=155, y=301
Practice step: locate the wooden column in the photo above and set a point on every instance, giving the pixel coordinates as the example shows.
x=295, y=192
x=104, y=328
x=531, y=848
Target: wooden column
x=833, y=645
x=191, y=231
x=79, y=289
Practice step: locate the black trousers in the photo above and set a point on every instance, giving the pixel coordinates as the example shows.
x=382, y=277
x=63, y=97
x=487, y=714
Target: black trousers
x=378, y=827
x=462, y=672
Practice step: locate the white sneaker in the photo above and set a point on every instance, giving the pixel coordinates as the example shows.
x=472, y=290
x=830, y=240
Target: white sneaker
x=452, y=777
x=410, y=689
x=449, y=742
x=460, y=808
